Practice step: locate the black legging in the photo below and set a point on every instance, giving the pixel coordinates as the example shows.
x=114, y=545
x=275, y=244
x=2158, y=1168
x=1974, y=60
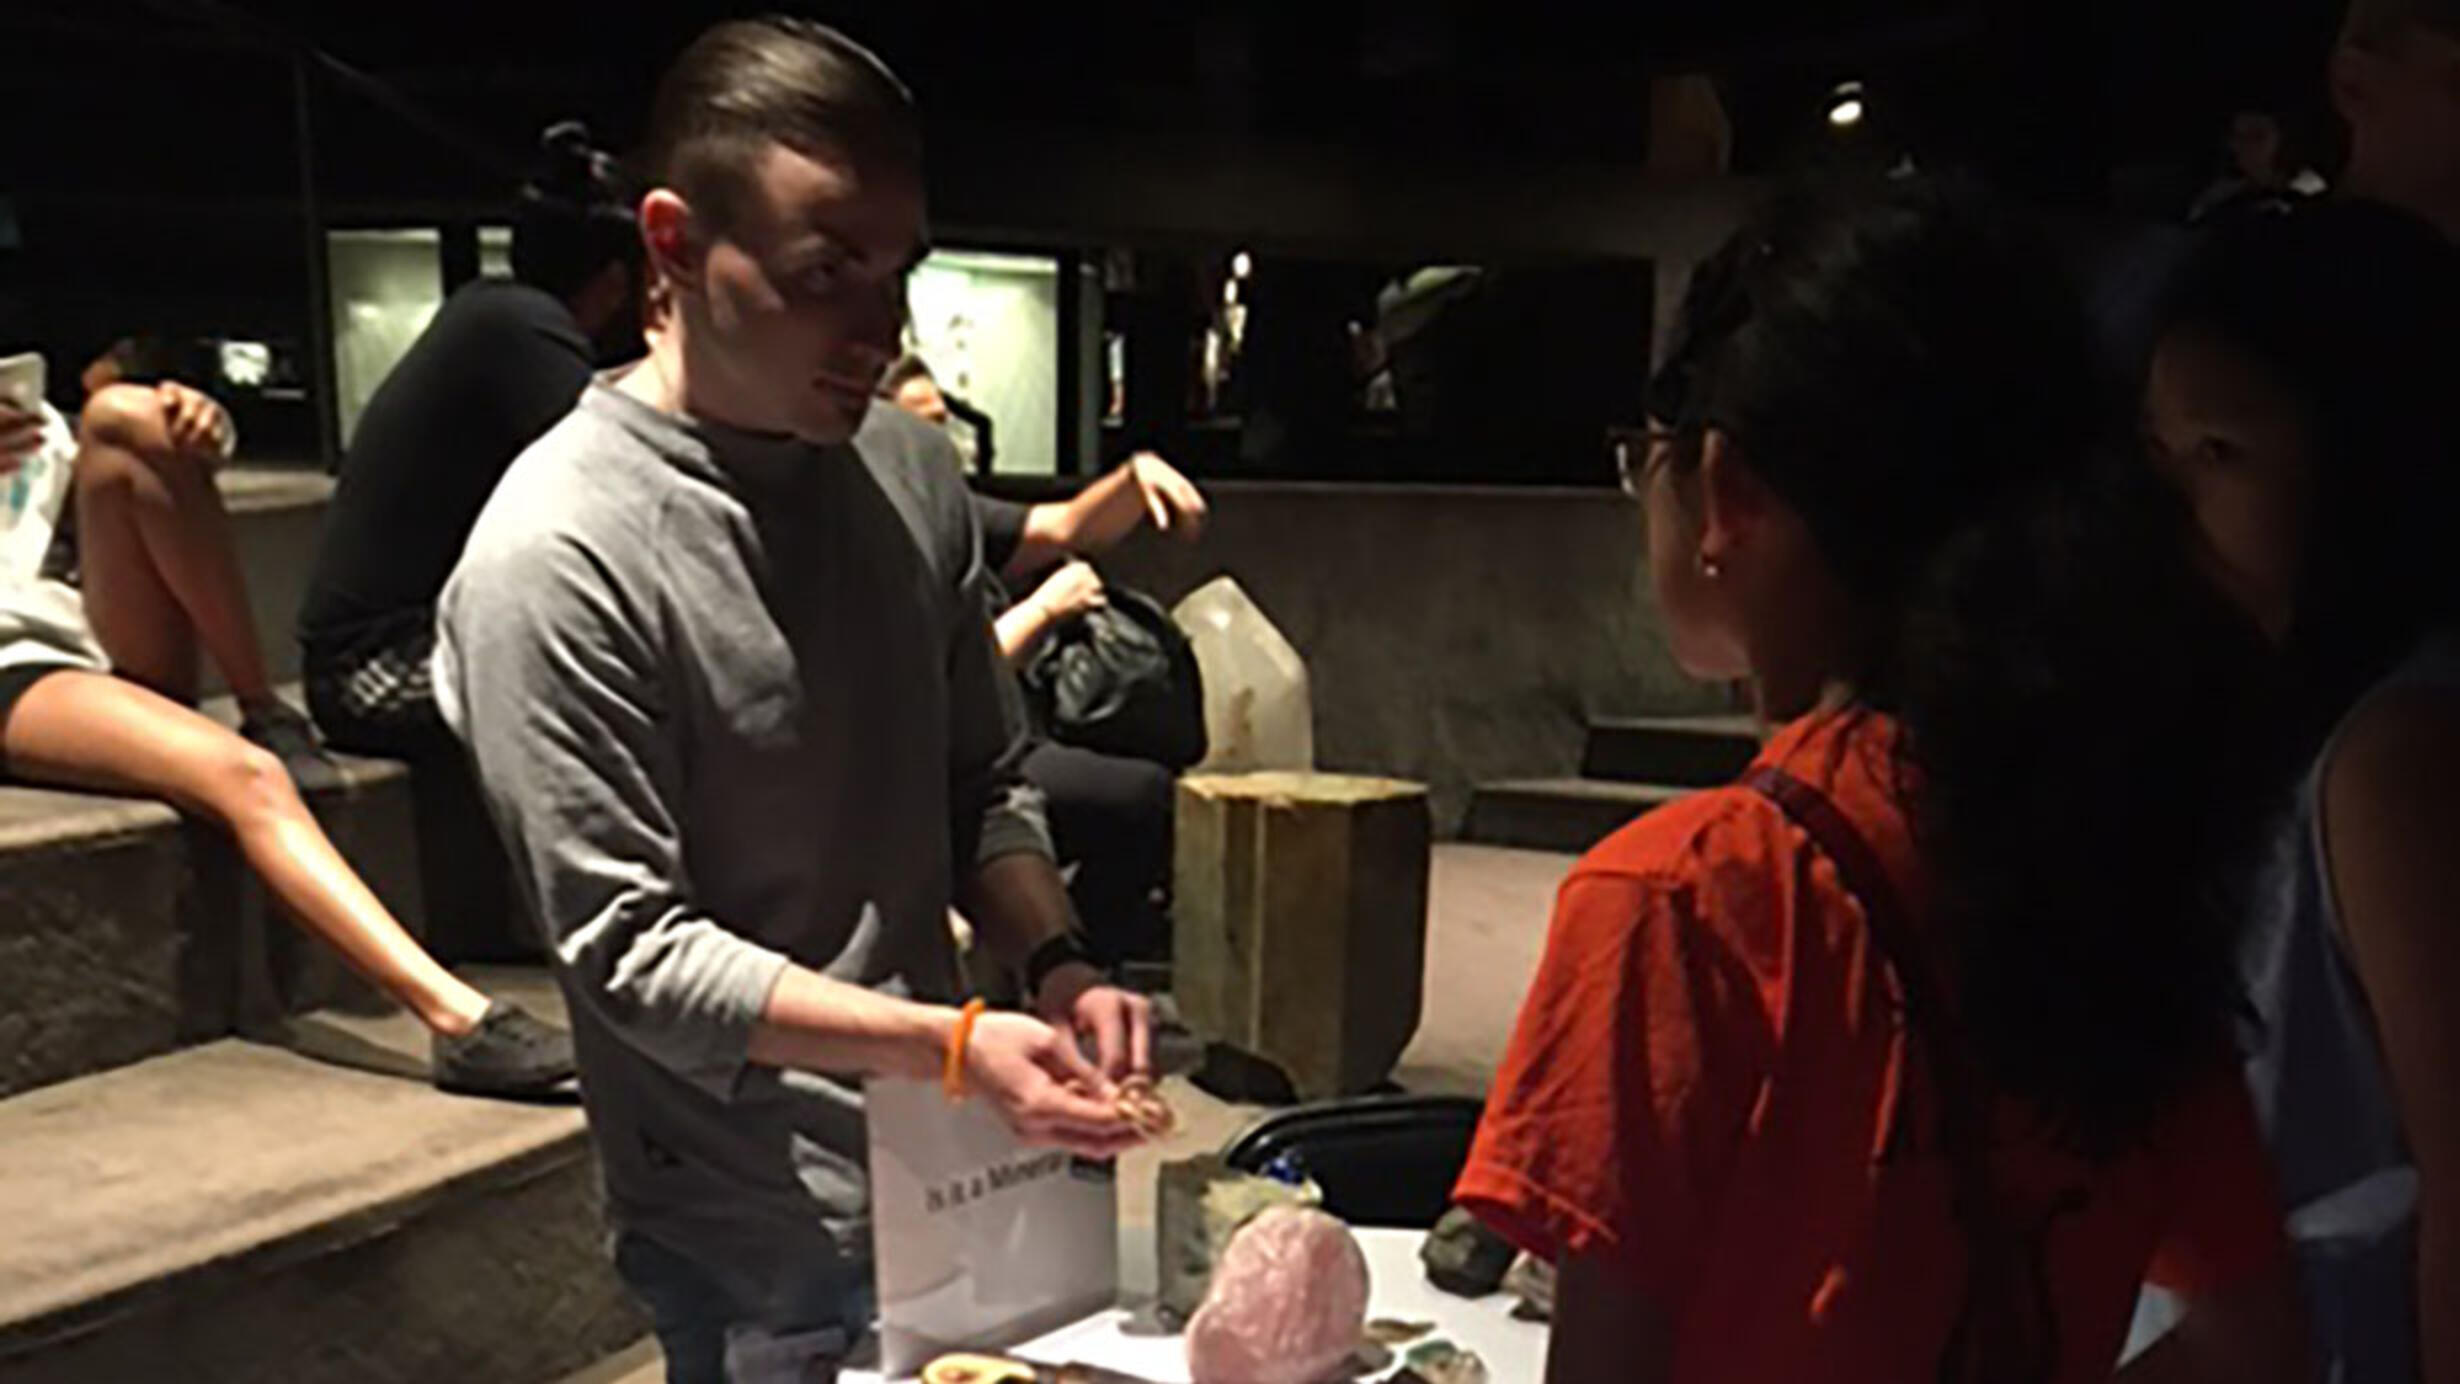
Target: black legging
x=1111, y=819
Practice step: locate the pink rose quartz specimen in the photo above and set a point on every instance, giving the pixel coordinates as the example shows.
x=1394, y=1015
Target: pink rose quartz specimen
x=1287, y=1304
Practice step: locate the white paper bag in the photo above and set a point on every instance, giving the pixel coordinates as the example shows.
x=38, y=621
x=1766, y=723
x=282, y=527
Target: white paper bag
x=980, y=1242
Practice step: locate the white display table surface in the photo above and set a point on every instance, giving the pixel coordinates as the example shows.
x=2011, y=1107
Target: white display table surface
x=1515, y=1351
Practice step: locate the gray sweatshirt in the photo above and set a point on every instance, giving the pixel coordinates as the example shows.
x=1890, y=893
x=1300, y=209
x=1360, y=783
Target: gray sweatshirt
x=734, y=701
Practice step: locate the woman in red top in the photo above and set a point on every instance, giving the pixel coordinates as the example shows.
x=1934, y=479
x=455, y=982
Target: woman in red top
x=1824, y=1078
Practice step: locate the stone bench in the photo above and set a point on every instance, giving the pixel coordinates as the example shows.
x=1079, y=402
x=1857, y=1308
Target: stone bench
x=130, y=931
x=232, y=1211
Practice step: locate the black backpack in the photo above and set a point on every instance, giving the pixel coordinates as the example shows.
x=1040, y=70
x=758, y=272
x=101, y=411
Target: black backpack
x=1121, y=680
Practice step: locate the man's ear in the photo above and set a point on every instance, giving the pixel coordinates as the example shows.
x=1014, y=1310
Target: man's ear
x=1734, y=502
x=670, y=243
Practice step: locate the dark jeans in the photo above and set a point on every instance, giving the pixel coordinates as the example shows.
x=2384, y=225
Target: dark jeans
x=715, y=1328
x=1111, y=819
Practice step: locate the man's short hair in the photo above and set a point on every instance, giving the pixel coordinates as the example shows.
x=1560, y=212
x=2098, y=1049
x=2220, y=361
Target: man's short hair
x=745, y=84
x=2380, y=23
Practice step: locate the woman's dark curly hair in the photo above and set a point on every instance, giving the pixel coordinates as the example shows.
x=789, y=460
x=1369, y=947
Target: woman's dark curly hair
x=2086, y=747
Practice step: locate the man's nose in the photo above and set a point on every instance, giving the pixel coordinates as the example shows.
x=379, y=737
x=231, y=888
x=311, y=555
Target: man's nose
x=881, y=328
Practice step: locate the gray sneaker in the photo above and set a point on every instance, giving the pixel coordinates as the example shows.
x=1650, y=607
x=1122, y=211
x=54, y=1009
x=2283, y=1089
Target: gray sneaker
x=287, y=732
x=510, y=1053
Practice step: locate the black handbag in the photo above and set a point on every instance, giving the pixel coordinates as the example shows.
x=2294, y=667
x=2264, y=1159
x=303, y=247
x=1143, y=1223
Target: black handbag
x=1122, y=680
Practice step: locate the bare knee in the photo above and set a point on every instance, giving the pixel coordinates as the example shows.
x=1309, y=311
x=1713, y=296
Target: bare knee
x=123, y=435
x=247, y=786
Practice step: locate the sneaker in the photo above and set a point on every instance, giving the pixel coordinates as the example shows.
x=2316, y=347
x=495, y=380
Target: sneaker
x=285, y=730
x=510, y=1053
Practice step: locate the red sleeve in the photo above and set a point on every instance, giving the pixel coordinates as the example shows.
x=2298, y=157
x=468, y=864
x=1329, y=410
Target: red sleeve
x=1639, y=1053
x=2224, y=1222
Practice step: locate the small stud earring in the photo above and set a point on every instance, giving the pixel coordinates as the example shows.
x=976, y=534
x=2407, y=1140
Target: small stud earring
x=1710, y=568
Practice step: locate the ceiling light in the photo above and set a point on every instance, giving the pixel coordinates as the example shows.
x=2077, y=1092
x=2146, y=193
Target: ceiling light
x=1845, y=106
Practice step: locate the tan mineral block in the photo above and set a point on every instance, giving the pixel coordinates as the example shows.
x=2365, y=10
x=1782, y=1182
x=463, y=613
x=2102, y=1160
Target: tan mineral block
x=1301, y=921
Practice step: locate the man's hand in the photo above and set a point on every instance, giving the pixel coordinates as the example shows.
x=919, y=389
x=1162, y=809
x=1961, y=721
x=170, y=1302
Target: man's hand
x=21, y=436
x=1044, y=1088
x=1078, y=999
x=196, y=424
x=1070, y=592
x=1171, y=500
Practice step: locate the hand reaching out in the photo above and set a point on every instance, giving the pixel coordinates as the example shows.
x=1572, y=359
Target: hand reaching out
x=1171, y=500
x=1079, y=999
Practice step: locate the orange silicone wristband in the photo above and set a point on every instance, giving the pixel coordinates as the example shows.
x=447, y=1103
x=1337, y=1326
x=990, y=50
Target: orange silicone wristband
x=952, y=1075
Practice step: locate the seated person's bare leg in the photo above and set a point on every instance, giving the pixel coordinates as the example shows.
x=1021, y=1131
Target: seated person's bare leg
x=97, y=731
x=160, y=577
x=160, y=573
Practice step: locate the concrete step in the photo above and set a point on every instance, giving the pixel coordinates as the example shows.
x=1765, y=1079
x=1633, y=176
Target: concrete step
x=1558, y=814
x=1689, y=751
x=132, y=931
x=240, y=1212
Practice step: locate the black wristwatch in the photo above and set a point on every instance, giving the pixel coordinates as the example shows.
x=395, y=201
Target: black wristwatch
x=1054, y=953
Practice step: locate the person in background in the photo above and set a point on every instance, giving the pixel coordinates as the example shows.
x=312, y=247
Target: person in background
x=1904, y=1057
x=97, y=683
x=2300, y=397
x=1110, y=815
x=2395, y=79
x=1042, y=547
x=2262, y=167
x=501, y=361
x=718, y=650
x=910, y=385
x=213, y=597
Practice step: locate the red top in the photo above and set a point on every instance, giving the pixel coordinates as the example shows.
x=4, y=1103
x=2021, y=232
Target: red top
x=1704, y=1089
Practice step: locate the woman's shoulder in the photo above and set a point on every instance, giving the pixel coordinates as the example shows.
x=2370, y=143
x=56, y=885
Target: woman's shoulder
x=1847, y=757
x=1680, y=839
x=2402, y=740
x=1726, y=864
x=1709, y=870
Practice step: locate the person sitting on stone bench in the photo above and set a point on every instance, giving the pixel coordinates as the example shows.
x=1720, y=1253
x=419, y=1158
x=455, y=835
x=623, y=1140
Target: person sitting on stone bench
x=910, y=385
x=1110, y=815
x=97, y=682
x=499, y=364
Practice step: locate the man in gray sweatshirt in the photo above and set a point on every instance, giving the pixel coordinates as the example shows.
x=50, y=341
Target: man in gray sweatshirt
x=718, y=650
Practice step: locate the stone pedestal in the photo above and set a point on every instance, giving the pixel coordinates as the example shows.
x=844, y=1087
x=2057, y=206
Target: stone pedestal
x=1300, y=902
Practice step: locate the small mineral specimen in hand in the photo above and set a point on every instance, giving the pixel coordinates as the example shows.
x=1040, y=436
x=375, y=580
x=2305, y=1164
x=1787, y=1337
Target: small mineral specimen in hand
x=1141, y=1104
